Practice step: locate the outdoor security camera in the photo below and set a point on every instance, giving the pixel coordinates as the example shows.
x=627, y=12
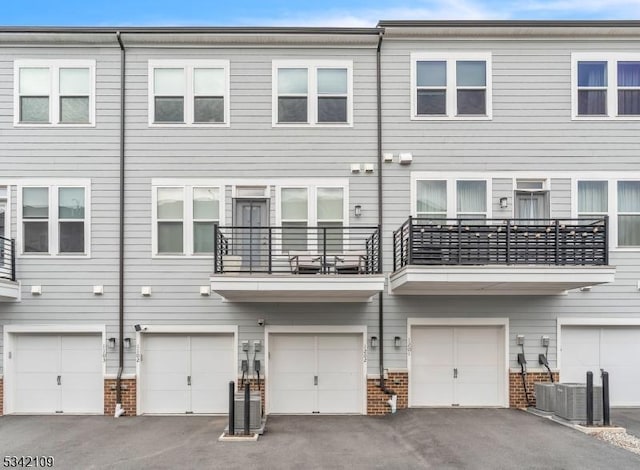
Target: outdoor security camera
x=261, y=321
x=138, y=327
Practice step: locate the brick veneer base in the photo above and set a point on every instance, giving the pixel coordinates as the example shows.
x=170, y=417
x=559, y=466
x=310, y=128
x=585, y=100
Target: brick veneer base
x=253, y=386
x=377, y=399
x=128, y=396
x=517, y=397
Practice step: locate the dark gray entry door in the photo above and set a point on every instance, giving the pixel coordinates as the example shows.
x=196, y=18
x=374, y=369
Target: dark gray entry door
x=252, y=233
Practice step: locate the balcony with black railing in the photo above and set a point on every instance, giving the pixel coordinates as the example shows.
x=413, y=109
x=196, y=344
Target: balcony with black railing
x=9, y=288
x=295, y=263
x=499, y=256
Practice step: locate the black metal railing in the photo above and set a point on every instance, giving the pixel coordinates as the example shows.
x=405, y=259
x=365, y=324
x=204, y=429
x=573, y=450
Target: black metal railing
x=7, y=259
x=295, y=249
x=572, y=242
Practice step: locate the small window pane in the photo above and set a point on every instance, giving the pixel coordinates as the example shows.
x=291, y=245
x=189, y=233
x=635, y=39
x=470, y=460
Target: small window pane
x=472, y=196
x=592, y=196
x=330, y=203
x=292, y=81
x=75, y=81
x=294, y=236
x=71, y=237
x=71, y=203
x=170, y=203
x=208, y=109
x=629, y=230
x=431, y=73
x=592, y=74
x=209, y=82
x=74, y=110
x=206, y=203
x=432, y=196
x=472, y=102
x=629, y=196
x=432, y=102
x=471, y=73
x=592, y=102
x=34, y=109
x=36, y=237
x=294, y=204
x=330, y=234
x=35, y=81
x=629, y=74
x=332, y=81
x=203, y=237
x=35, y=203
x=168, y=82
x=170, y=237
x=292, y=109
x=628, y=102
x=169, y=109
x=332, y=109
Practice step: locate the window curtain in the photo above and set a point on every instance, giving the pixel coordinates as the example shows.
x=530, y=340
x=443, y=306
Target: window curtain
x=592, y=74
x=629, y=202
x=432, y=197
x=592, y=197
x=628, y=76
x=472, y=196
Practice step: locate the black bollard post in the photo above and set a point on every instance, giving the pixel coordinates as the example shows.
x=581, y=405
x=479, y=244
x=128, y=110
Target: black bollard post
x=247, y=404
x=589, y=398
x=606, y=420
x=232, y=408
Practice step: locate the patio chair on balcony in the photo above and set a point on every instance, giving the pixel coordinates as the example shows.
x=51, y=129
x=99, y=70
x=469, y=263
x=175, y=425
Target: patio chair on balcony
x=354, y=262
x=303, y=262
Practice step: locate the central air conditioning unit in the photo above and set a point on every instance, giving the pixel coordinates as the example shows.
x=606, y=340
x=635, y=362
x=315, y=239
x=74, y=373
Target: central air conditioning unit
x=255, y=411
x=571, y=402
x=545, y=397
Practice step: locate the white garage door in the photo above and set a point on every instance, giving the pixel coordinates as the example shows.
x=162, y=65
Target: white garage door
x=315, y=373
x=186, y=373
x=58, y=373
x=457, y=366
x=614, y=349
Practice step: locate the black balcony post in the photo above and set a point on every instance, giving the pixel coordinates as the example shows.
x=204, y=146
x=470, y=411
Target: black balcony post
x=606, y=240
x=215, y=248
x=270, y=250
x=557, y=248
x=508, y=240
x=459, y=242
x=13, y=260
x=324, y=250
x=589, y=398
x=395, y=250
x=409, y=243
x=378, y=253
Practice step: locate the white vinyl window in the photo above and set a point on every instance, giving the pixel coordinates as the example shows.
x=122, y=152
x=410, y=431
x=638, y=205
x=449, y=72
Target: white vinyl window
x=605, y=86
x=629, y=213
x=54, y=219
x=189, y=93
x=312, y=93
x=450, y=198
x=312, y=206
x=593, y=199
x=184, y=219
x=449, y=85
x=54, y=92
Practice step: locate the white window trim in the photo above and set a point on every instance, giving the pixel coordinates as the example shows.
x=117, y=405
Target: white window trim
x=612, y=59
x=450, y=58
x=452, y=193
x=54, y=67
x=312, y=67
x=312, y=201
x=187, y=215
x=7, y=212
x=188, y=66
x=612, y=205
x=54, y=233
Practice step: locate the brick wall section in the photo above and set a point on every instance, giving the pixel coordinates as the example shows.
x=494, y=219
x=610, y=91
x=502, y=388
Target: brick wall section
x=253, y=386
x=128, y=396
x=517, y=397
x=377, y=399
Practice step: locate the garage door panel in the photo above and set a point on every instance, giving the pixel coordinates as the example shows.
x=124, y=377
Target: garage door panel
x=37, y=401
x=89, y=361
x=37, y=342
x=338, y=361
x=337, y=381
x=293, y=362
x=338, y=402
x=33, y=360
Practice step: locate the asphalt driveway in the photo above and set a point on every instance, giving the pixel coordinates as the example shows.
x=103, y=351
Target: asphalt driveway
x=417, y=438
x=628, y=418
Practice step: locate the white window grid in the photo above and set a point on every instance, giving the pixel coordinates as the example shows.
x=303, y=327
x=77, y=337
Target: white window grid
x=451, y=60
x=312, y=91
x=54, y=94
x=452, y=198
x=189, y=91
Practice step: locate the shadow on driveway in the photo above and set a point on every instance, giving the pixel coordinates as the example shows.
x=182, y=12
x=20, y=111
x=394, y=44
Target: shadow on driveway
x=417, y=438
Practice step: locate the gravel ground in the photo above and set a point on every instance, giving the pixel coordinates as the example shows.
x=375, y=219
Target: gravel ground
x=620, y=439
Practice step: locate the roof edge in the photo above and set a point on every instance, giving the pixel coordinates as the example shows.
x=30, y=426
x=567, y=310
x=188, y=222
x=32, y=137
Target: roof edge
x=188, y=30
x=508, y=23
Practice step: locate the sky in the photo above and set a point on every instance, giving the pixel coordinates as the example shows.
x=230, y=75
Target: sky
x=352, y=13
